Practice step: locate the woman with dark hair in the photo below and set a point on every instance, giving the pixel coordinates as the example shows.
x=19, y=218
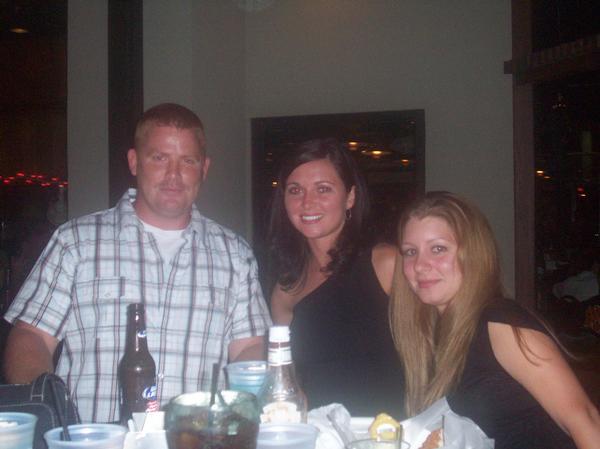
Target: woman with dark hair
x=459, y=336
x=332, y=292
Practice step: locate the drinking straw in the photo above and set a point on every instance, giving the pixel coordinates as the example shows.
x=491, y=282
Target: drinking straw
x=65, y=435
x=213, y=384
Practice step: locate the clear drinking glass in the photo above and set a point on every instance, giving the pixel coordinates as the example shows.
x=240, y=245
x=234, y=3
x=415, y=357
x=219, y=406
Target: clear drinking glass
x=231, y=422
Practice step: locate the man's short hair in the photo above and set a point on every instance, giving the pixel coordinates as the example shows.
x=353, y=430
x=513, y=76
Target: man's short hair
x=169, y=114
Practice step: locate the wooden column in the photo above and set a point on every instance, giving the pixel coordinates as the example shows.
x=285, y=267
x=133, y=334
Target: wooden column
x=524, y=160
x=125, y=88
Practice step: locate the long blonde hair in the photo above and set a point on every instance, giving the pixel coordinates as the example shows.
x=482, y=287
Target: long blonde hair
x=434, y=347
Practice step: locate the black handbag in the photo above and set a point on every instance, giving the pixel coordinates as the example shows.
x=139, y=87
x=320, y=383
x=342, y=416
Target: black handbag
x=46, y=397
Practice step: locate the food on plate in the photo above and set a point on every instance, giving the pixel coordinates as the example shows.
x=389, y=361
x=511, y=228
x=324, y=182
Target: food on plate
x=434, y=440
x=385, y=428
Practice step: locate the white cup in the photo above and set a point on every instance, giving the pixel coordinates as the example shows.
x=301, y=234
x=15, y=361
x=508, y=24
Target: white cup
x=17, y=430
x=286, y=436
x=87, y=436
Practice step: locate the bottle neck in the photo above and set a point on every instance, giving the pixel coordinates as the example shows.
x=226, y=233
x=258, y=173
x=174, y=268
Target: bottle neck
x=136, y=329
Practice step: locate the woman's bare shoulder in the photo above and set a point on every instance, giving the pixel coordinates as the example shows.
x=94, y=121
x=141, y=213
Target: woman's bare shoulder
x=383, y=258
x=384, y=252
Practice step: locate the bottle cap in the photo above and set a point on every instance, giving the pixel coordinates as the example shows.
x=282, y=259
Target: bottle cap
x=279, y=334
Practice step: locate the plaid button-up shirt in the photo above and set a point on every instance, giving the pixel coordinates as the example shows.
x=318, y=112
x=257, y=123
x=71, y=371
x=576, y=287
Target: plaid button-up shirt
x=96, y=265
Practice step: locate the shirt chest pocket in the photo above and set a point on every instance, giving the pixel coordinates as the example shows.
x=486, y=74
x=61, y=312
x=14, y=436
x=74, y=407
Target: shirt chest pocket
x=97, y=303
x=202, y=317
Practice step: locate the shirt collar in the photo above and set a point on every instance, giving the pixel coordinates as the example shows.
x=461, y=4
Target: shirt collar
x=128, y=217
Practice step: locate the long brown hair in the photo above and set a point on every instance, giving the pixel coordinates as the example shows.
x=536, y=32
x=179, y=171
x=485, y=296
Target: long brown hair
x=289, y=253
x=434, y=347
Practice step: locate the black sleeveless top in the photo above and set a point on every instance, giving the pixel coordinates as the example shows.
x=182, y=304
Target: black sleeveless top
x=342, y=345
x=492, y=398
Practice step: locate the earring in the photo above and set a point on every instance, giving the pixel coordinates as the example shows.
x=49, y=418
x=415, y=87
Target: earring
x=348, y=214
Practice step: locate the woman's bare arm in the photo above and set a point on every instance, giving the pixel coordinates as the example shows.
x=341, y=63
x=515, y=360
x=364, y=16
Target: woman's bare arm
x=282, y=307
x=547, y=376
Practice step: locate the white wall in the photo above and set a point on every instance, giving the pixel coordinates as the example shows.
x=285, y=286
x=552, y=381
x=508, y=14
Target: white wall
x=194, y=55
x=87, y=106
x=307, y=57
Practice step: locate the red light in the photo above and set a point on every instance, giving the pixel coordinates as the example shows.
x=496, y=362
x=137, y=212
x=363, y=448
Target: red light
x=33, y=179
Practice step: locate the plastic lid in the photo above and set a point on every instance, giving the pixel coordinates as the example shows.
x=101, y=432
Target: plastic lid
x=279, y=334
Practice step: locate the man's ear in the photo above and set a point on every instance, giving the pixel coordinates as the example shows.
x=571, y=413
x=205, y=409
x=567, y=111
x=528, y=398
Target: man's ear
x=132, y=161
x=205, y=167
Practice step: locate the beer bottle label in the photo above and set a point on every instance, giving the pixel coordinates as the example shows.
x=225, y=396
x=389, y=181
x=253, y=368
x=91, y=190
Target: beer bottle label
x=149, y=395
x=280, y=412
x=280, y=356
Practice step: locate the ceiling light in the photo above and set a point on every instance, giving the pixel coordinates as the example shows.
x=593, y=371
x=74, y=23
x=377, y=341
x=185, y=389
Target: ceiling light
x=375, y=153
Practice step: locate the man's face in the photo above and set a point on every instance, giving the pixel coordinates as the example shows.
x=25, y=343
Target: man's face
x=170, y=168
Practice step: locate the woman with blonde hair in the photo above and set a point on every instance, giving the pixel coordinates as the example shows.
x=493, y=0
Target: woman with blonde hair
x=459, y=336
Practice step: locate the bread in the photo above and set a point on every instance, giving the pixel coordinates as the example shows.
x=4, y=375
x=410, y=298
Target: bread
x=434, y=440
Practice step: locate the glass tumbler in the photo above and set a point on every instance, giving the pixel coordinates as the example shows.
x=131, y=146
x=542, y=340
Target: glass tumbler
x=230, y=423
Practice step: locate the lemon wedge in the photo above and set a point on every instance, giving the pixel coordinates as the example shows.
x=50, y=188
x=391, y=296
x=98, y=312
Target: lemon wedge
x=385, y=428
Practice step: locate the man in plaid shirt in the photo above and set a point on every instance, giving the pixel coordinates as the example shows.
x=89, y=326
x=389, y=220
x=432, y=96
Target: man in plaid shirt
x=198, y=280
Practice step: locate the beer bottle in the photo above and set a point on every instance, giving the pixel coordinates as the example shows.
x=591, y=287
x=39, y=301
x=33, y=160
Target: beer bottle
x=280, y=398
x=137, y=371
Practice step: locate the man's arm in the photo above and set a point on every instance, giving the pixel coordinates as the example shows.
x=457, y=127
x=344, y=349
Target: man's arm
x=251, y=348
x=28, y=353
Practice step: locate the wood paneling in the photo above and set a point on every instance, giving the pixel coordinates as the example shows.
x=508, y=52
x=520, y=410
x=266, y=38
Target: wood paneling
x=524, y=161
x=126, y=96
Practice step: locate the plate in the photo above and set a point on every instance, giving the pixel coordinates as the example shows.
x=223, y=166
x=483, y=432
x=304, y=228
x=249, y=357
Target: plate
x=360, y=426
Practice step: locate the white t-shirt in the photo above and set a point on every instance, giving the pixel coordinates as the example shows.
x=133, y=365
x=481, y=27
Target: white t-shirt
x=168, y=242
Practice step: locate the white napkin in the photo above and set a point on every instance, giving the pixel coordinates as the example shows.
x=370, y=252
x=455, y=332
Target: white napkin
x=328, y=438
x=146, y=431
x=459, y=432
